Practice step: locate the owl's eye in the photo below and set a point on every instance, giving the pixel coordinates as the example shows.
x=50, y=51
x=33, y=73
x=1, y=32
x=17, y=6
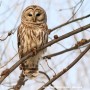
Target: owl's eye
x=29, y=14
x=38, y=14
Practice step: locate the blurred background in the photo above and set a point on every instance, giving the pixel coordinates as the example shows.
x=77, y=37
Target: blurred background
x=58, y=12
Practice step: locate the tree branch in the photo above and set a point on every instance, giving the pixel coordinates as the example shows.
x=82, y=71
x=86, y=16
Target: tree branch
x=65, y=69
x=66, y=23
x=3, y=76
x=84, y=17
x=47, y=78
x=66, y=50
x=9, y=33
x=20, y=82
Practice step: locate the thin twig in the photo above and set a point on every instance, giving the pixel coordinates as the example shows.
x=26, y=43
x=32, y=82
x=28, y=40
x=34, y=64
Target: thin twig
x=84, y=17
x=22, y=81
x=43, y=47
x=65, y=69
x=13, y=30
x=9, y=61
x=50, y=67
x=47, y=78
x=3, y=38
x=64, y=51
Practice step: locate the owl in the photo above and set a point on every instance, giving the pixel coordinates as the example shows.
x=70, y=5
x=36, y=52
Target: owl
x=32, y=33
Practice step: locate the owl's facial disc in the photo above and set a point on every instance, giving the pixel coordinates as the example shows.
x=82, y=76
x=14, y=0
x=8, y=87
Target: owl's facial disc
x=34, y=15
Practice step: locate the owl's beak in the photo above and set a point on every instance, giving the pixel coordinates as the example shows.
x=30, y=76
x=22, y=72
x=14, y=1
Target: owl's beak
x=34, y=19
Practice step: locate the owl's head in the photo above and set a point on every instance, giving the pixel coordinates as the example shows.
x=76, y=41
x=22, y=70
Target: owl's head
x=34, y=14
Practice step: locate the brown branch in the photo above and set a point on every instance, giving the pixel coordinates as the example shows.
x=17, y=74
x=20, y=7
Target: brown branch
x=20, y=82
x=9, y=33
x=50, y=68
x=3, y=38
x=43, y=47
x=64, y=51
x=13, y=30
x=65, y=69
x=47, y=78
x=69, y=22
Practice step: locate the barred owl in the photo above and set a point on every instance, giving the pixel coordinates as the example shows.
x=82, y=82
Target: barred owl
x=32, y=33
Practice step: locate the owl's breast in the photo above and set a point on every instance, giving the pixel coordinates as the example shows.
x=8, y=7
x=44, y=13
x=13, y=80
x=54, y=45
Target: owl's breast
x=32, y=38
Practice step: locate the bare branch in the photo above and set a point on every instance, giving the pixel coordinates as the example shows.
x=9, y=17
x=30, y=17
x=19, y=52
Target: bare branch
x=8, y=61
x=47, y=78
x=84, y=17
x=9, y=33
x=13, y=30
x=67, y=50
x=20, y=82
x=65, y=69
x=43, y=47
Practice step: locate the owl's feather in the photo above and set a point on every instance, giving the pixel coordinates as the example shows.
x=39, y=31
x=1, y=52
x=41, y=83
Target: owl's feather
x=32, y=33
x=30, y=37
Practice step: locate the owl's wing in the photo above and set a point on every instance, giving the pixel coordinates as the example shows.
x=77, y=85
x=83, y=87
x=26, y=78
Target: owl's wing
x=45, y=36
x=18, y=36
x=18, y=40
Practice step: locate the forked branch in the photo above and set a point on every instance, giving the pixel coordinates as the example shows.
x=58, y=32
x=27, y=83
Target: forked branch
x=3, y=76
x=65, y=69
x=77, y=46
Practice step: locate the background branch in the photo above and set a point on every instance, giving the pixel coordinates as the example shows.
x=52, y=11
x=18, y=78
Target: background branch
x=65, y=69
x=66, y=23
x=20, y=82
x=47, y=78
x=13, y=30
x=43, y=47
x=66, y=50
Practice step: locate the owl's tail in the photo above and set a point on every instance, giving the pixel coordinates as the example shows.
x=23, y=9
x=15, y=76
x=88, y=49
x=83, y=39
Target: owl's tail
x=31, y=73
x=30, y=68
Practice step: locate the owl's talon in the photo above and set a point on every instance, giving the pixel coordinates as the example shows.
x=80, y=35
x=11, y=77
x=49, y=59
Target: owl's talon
x=21, y=68
x=49, y=31
x=34, y=51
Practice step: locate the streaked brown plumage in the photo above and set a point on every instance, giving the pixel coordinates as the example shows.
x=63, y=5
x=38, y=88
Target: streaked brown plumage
x=32, y=33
